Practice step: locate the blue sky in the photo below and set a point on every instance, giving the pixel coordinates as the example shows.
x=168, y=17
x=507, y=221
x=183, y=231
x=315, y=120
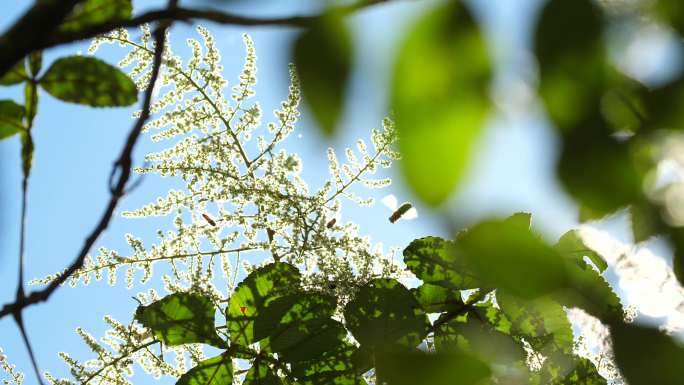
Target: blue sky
x=75, y=147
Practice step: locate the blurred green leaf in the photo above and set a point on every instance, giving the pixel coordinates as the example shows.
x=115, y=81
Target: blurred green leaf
x=35, y=62
x=181, y=318
x=437, y=299
x=434, y=260
x=11, y=118
x=570, y=49
x=440, y=99
x=646, y=356
x=213, y=371
x=573, y=370
x=411, y=368
x=645, y=220
x=260, y=374
x=474, y=335
x=15, y=75
x=508, y=256
x=92, y=12
x=542, y=322
x=599, y=171
x=323, y=57
x=249, y=304
x=385, y=316
x=571, y=246
x=672, y=12
x=89, y=81
x=587, y=290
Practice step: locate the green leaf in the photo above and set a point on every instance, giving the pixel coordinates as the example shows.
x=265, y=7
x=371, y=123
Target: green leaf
x=343, y=365
x=571, y=246
x=31, y=100
x=89, y=81
x=587, y=290
x=575, y=371
x=508, y=256
x=411, y=368
x=571, y=60
x=213, y=371
x=309, y=340
x=93, y=12
x=437, y=299
x=323, y=57
x=468, y=333
x=440, y=99
x=11, y=118
x=434, y=260
x=384, y=315
x=672, y=12
x=35, y=62
x=15, y=75
x=254, y=295
x=261, y=374
x=542, y=322
x=181, y=318
x=646, y=356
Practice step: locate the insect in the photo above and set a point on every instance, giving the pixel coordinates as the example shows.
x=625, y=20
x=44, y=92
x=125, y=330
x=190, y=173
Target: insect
x=243, y=309
x=405, y=211
x=208, y=218
x=331, y=223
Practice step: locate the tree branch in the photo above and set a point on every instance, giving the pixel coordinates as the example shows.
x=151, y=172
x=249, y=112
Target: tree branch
x=124, y=165
x=41, y=41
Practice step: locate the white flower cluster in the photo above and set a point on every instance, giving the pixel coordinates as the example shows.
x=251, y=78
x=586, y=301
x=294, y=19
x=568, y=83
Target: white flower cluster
x=11, y=376
x=243, y=200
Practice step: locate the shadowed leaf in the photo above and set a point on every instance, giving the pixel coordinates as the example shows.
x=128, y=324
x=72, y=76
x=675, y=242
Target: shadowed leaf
x=15, y=75
x=435, y=261
x=92, y=12
x=89, y=81
x=437, y=299
x=571, y=246
x=261, y=374
x=343, y=365
x=213, y=371
x=411, y=368
x=270, y=285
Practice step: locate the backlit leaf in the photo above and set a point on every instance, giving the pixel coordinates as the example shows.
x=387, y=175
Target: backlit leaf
x=411, y=368
x=261, y=374
x=92, y=12
x=434, y=260
x=181, y=318
x=437, y=299
x=571, y=246
x=89, y=81
x=440, y=99
x=11, y=116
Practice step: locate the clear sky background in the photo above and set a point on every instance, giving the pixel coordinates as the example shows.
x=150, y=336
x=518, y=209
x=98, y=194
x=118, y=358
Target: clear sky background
x=513, y=169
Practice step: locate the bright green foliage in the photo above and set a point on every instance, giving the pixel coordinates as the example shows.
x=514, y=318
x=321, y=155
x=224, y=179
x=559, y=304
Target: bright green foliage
x=646, y=356
x=437, y=299
x=571, y=246
x=89, y=81
x=385, y=316
x=181, y=318
x=589, y=291
x=502, y=253
x=434, y=260
x=410, y=368
x=92, y=12
x=440, y=99
x=214, y=371
x=261, y=374
x=11, y=118
x=581, y=372
x=323, y=56
x=255, y=295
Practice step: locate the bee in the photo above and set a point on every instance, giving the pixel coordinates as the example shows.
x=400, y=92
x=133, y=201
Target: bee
x=270, y=234
x=405, y=211
x=331, y=223
x=209, y=220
